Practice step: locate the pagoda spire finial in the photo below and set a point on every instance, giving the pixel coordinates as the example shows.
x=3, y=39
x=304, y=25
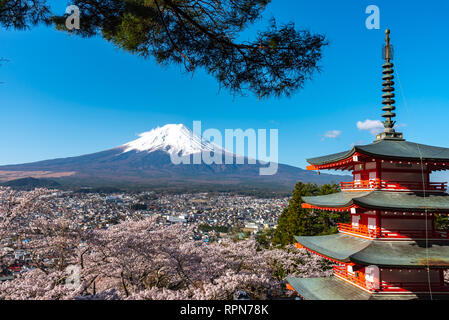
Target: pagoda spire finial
x=388, y=95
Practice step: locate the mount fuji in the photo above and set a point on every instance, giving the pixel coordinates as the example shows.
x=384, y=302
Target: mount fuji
x=173, y=139
x=146, y=163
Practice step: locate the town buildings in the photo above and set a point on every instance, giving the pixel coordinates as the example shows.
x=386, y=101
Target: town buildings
x=212, y=216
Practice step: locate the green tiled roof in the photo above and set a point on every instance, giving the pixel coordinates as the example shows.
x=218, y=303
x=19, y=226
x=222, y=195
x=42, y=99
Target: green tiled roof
x=333, y=288
x=331, y=157
x=404, y=201
x=404, y=253
x=339, y=199
x=395, y=149
x=326, y=289
x=336, y=246
x=380, y=252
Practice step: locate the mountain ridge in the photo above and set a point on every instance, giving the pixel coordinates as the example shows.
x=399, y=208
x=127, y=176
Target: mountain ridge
x=146, y=161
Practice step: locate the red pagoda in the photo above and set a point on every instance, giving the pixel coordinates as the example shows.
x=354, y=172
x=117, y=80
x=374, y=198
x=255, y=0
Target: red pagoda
x=392, y=248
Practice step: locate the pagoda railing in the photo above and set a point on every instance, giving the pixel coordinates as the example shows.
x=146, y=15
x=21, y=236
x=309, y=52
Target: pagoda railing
x=412, y=287
x=343, y=273
x=385, y=286
x=362, y=230
x=377, y=232
x=414, y=234
x=377, y=184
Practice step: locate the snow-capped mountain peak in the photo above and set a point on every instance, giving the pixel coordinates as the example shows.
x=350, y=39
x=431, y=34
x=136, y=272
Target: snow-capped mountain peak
x=171, y=138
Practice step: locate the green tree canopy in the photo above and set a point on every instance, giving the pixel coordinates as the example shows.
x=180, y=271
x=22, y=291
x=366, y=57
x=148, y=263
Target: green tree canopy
x=196, y=34
x=295, y=220
x=21, y=14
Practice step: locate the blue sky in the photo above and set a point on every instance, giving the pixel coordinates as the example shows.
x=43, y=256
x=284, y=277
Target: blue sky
x=64, y=96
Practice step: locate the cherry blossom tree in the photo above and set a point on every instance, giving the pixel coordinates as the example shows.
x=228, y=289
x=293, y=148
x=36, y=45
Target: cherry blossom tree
x=16, y=210
x=136, y=259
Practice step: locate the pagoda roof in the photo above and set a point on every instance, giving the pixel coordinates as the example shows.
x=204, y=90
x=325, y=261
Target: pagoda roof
x=413, y=253
x=391, y=149
x=330, y=288
x=333, y=288
x=387, y=200
x=338, y=246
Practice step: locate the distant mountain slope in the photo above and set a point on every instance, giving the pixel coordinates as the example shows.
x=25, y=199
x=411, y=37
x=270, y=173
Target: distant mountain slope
x=31, y=183
x=146, y=162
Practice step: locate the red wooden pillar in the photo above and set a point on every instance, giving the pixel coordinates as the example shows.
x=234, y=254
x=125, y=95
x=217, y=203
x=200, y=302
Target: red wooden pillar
x=378, y=223
x=378, y=170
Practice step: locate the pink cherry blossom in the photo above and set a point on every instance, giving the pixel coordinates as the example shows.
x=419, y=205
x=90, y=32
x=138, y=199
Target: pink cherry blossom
x=135, y=259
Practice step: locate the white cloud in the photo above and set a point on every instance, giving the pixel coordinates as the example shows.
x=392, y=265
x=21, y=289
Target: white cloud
x=373, y=126
x=332, y=134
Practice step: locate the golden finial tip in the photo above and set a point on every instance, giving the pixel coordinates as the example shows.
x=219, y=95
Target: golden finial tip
x=387, y=31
